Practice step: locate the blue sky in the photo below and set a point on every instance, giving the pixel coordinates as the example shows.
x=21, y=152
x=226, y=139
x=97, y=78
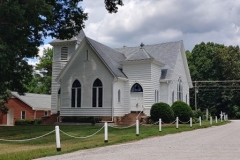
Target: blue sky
x=159, y=21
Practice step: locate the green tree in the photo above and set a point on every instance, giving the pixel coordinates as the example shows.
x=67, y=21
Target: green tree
x=24, y=24
x=215, y=62
x=41, y=81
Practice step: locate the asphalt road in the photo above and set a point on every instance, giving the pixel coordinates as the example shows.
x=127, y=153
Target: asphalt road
x=214, y=143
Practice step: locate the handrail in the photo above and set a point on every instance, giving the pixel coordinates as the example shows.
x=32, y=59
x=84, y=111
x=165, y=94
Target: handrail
x=140, y=112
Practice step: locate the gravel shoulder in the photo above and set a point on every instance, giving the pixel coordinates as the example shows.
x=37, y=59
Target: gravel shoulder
x=217, y=142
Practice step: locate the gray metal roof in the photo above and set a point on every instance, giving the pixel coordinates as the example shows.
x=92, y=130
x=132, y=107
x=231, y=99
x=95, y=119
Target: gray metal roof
x=36, y=101
x=111, y=57
x=140, y=54
x=78, y=38
x=163, y=52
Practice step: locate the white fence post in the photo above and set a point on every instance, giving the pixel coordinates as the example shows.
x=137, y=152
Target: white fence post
x=211, y=120
x=226, y=117
x=58, y=144
x=177, y=122
x=216, y=119
x=105, y=132
x=137, y=127
x=160, y=124
x=191, y=122
x=200, y=121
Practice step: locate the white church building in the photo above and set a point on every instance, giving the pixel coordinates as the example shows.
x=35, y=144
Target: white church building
x=92, y=79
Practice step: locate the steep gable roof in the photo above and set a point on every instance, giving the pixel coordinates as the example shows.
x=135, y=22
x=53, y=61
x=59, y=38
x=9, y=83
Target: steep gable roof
x=111, y=57
x=36, y=101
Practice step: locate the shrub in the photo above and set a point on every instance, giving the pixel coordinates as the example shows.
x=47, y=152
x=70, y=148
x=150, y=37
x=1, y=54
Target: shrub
x=163, y=111
x=198, y=113
x=37, y=121
x=182, y=110
x=75, y=119
x=28, y=122
x=24, y=122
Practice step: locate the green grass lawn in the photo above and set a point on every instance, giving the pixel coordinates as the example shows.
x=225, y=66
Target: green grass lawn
x=46, y=146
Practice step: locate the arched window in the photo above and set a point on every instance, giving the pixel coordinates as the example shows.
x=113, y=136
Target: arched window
x=87, y=56
x=179, y=90
x=76, y=94
x=156, y=96
x=97, y=94
x=64, y=53
x=59, y=99
x=119, y=95
x=136, y=88
x=172, y=96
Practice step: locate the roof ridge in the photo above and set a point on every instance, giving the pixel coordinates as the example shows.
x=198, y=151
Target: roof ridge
x=150, y=44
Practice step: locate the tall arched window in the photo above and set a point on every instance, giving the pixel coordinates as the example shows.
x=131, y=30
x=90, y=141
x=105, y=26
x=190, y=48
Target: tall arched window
x=76, y=94
x=156, y=96
x=179, y=90
x=136, y=88
x=119, y=96
x=172, y=96
x=97, y=94
x=59, y=99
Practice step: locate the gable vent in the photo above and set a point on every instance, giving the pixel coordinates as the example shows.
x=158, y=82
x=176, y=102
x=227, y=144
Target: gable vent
x=64, y=53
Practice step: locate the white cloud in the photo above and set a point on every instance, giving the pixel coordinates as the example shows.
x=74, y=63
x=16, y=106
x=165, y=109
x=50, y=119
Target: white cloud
x=41, y=49
x=152, y=21
x=35, y=60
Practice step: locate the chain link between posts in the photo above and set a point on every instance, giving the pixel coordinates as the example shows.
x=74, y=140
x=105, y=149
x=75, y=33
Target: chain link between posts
x=118, y=127
x=8, y=140
x=81, y=137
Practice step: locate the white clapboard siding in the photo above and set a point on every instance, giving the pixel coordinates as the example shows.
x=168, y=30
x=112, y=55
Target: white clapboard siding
x=180, y=71
x=86, y=72
x=119, y=108
x=156, y=74
x=139, y=72
x=57, y=66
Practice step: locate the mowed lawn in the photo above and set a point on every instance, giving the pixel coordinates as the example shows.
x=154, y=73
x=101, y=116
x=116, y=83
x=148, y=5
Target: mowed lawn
x=46, y=146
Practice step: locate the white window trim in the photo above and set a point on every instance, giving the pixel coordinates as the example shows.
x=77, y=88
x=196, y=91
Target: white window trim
x=97, y=91
x=76, y=95
x=24, y=115
x=179, y=90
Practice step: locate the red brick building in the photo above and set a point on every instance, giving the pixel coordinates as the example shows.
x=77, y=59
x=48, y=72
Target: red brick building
x=30, y=106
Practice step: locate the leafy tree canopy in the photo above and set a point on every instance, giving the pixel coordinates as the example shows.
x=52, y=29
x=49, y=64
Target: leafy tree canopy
x=211, y=61
x=41, y=81
x=24, y=24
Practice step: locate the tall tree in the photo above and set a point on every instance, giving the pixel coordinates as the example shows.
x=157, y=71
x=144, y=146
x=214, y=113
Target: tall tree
x=215, y=62
x=24, y=24
x=42, y=77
